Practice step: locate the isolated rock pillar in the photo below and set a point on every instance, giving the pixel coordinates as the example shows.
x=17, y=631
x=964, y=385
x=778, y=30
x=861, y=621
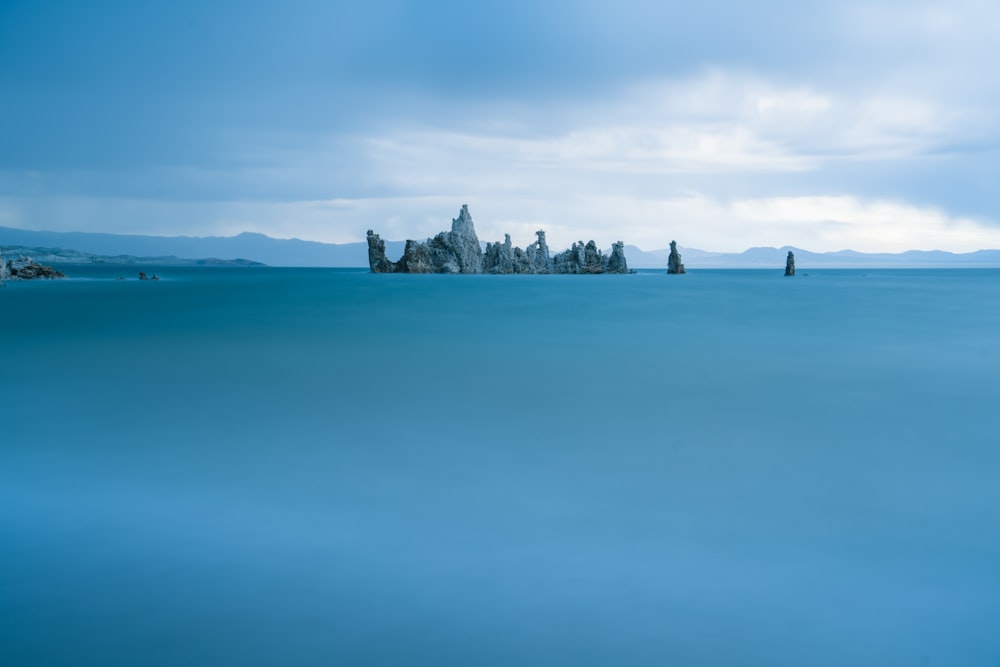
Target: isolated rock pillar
x=790, y=264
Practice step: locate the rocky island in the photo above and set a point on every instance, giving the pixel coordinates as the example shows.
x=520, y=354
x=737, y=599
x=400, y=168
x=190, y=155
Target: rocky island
x=459, y=251
x=25, y=268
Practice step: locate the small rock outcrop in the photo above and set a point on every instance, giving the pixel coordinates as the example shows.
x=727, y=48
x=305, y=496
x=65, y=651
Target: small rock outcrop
x=537, y=254
x=25, y=268
x=376, y=255
x=790, y=264
x=674, y=264
x=579, y=258
x=458, y=251
x=143, y=276
x=616, y=261
x=500, y=258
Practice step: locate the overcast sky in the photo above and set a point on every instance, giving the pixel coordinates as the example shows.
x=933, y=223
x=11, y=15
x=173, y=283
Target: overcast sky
x=726, y=125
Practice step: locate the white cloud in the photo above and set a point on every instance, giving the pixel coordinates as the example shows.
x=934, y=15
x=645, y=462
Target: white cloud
x=872, y=225
x=716, y=124
x=821, y=223
x=650, y=165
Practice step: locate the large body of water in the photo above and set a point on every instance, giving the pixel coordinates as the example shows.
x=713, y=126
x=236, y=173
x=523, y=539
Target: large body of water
x=319, y=467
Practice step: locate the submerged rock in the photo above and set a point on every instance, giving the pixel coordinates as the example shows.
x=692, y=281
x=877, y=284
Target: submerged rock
x=674, y=264
x=25, y=268
x=458, y=251
x=790, y=264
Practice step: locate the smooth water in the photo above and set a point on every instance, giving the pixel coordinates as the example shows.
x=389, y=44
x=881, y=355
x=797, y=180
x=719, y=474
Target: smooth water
x=320, y=467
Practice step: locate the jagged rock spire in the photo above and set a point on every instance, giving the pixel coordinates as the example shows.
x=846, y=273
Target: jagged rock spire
x=674, y=264
x=458, y=251
x=377, y=260
x=463, y=243
x=463, y=223
x=790, y=264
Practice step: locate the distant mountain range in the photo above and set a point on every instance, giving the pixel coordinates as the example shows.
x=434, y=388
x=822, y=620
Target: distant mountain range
x=254, y=247
x=64, y=256
x=248, y=249
x=774, y=258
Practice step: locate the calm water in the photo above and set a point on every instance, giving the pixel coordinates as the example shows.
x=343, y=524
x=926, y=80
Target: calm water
x=317, y=467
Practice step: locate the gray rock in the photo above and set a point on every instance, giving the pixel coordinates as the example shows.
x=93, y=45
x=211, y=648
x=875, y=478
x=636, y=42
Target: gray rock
x=580, y=258
x=500, y=258
x=616, y=261
x=463, y=242
x=376, y=255
x=674, y=264
x=458, y=251
x=790, y=264
x=433, y=256
x=537, y=255
x=25, y=268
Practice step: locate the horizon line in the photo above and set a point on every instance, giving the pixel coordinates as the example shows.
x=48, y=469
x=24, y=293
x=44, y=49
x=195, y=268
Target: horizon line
x=362, y=241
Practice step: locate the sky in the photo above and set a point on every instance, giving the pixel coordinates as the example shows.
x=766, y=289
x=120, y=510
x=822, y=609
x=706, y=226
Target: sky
x=726, y=125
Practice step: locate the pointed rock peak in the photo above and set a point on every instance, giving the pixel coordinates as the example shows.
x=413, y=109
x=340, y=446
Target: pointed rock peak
x=463, y=223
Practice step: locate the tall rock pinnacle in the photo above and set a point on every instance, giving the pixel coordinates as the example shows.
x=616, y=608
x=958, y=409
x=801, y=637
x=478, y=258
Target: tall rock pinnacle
x=463, y=242
x=458, y=251
x=674, y=261
x=463, y=223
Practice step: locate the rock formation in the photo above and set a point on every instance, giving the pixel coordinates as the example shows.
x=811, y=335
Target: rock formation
x=588, y=259
x=376, y=255
x=790, y=264
x=504, y=258
x=143, y=276
x=674, y=261
x=25, y=268
x=458, y=251
x=616, y=261
x=500, y=258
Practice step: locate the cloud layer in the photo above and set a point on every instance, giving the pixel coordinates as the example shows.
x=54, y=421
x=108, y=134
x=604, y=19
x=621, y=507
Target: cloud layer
x=841, y=125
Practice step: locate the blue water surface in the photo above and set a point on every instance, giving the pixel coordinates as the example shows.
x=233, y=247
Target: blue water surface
x=323, y=467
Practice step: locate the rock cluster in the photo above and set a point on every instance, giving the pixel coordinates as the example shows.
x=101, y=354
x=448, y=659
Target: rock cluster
x=143, y=276
x=589, y=259
x=790, y=264
x=25, y=268
x=674, y=264
x=458, y=251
